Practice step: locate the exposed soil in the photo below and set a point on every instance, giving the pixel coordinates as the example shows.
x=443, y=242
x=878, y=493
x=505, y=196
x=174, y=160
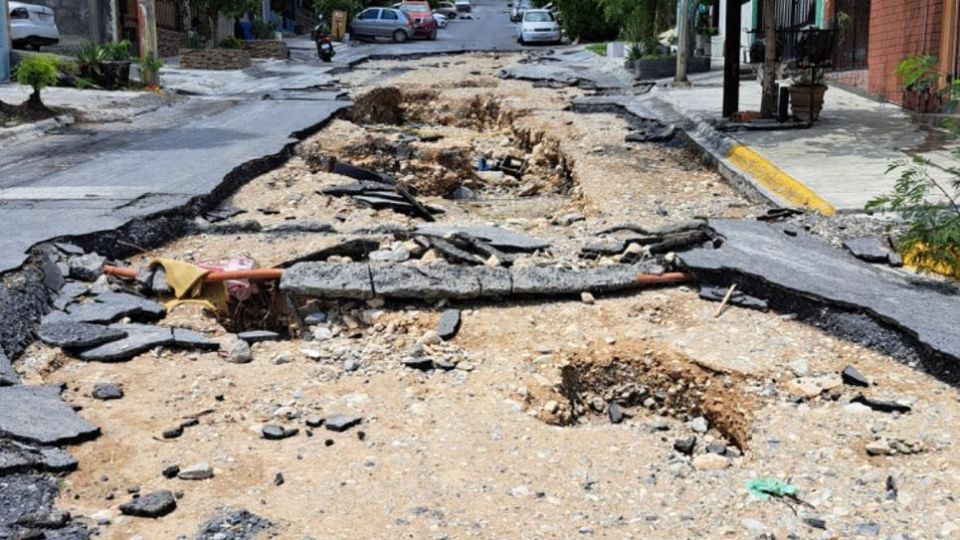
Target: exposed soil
x=516, y=440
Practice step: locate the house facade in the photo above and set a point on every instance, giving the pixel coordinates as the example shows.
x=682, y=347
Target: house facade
x=873, y=36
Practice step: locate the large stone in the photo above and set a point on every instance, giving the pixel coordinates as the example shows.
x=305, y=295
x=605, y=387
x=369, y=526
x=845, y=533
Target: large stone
x=38, y=414
x=808, y=267
x=200, y=471
x=231, y=524
x=340, y=422
x=431, y=281
x=110, y=306
x=498, y=237
x=107, y=391
x=328, y=280
x=52, y=277
x=7, y=374
x=78, y=335
x=449, y=324
x=140, y=338
x=154, y=505
x=86, y=267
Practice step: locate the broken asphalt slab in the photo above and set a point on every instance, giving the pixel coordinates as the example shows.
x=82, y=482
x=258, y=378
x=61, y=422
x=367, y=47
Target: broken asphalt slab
x=37, y=414
x=435, y=281
x=806, y=266
x=151, y=175
x=8, y=376
x=497, y=237
x=19, y=457
x=78, y=335
x=143, y=337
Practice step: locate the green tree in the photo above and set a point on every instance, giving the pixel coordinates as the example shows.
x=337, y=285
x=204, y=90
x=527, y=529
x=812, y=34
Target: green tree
x=38, y=72
x=641, y=20
x=581, y=20
x=212, y=9
x=926, y=196
x=327, y=7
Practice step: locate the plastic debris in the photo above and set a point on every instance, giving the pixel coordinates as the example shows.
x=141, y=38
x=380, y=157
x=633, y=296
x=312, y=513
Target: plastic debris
x=763, y=488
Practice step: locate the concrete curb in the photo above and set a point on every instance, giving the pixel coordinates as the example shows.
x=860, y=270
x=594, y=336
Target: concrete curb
x=35, y=130
x=747, y=165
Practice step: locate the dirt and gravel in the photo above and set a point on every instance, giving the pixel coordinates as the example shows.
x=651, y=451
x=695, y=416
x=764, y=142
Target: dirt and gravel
x=638, y=415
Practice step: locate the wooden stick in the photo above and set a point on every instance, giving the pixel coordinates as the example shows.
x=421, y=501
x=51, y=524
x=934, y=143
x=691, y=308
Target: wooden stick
x=726, y=298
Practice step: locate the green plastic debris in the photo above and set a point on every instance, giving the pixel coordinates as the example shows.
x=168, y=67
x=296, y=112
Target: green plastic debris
x=763, y=488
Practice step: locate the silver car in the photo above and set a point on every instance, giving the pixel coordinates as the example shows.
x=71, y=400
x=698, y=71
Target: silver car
x=382, y=22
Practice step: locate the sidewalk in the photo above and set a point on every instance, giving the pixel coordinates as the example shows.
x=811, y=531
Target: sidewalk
x=836, y=166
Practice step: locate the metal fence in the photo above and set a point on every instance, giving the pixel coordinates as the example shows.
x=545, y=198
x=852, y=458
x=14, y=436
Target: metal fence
x=792, y=15
x=851, y=20
x=169, y=15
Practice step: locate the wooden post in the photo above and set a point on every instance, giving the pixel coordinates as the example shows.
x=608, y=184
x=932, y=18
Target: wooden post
x=948, y=40
x=683, y=42
x=768, y=100
x=147, y=21
x=731, y=59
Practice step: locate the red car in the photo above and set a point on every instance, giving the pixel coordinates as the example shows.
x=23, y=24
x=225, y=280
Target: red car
x=420, y=14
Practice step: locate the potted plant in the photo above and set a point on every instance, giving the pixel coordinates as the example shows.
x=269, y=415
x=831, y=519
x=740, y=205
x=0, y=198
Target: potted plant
x=920, y=78
x=806, y=93
x=116, y=66
x=90, y=57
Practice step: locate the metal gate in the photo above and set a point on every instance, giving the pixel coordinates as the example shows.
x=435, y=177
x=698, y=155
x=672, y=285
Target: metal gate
x=792, y=15
x=851, y=20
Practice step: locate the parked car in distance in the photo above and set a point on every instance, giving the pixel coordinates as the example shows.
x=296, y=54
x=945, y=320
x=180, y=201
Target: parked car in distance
x=519, y=7
x=32, y=26
x=441, y=20
x=421, y=15
x=463, y=5
x=447, y=9
x=539, y=26
x=382, y=22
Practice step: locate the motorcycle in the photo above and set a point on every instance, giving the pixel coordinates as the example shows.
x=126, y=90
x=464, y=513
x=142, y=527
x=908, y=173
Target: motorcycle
x=321, y=36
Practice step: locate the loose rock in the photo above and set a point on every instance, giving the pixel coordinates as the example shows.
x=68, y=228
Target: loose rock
x=156, y=504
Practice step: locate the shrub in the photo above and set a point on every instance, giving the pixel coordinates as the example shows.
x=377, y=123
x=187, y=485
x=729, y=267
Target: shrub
x=231, y=43
x=118, y=51
x=928, y=203
x=90, y=58
x=38, y=72
x=262, y=29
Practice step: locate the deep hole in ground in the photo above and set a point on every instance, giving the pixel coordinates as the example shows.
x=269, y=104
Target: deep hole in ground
x=646, y=379
x=433, y=143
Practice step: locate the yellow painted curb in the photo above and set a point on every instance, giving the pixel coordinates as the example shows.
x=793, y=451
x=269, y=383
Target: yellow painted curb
x=911, y=259
x=791, y=190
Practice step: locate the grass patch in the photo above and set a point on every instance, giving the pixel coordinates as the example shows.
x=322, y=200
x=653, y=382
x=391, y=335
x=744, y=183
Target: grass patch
x=598, y=48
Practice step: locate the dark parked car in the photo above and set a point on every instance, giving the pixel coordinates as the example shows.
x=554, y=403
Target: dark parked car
x=382, y=22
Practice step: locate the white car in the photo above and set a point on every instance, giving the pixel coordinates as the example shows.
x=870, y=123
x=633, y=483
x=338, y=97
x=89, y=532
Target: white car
x=32, y=26
x=441, y=20
x=463, y=5
x=539, y=26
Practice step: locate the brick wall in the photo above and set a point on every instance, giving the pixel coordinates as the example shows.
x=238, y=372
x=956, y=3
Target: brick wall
x=169, y=42
x=900, y=28
x=266, y=48
x=215, y=59
x=859, y=78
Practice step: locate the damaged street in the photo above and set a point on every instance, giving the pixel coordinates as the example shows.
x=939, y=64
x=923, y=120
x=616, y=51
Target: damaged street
x=474, y=296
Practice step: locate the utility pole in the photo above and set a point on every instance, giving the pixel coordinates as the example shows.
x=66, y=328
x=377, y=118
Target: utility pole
x=731, y=58
x=683, y=42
